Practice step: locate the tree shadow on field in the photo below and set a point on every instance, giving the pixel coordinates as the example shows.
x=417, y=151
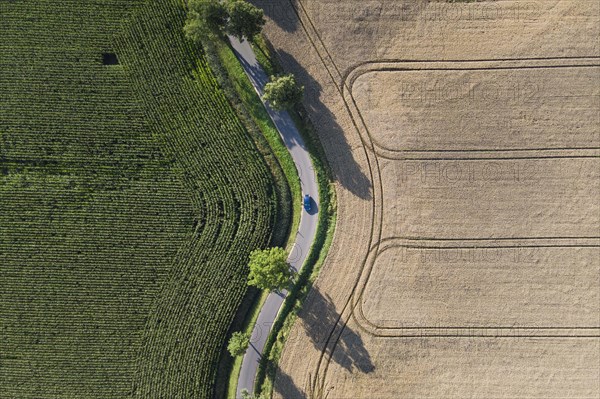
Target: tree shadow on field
x=347, y=173
x=318, y=317
x=281, y=12
x=286, y=387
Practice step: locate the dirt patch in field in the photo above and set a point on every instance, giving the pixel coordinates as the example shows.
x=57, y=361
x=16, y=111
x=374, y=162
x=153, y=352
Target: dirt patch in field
x=515, y=285
x=504, y=105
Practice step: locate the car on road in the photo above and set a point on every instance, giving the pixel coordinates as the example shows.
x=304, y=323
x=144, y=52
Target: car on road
x=306, y=202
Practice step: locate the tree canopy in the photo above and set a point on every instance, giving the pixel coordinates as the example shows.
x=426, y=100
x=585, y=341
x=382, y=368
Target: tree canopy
x=238, y=343
x=205, y=17
x=212, y=12
x=245, y=19
x=283, y=92
x=236, y=17
x=269, y=269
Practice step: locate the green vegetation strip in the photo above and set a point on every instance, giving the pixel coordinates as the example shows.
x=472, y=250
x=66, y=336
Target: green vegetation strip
x=253, y=104
x=244, y=98
x=236, y=82
x=248, y=327
x=293, y=303
x=326, y=225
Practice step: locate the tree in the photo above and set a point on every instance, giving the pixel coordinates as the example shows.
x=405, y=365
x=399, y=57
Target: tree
x=245, y=19
x=212, y=12
x=269, y=269
x=283, y=92
x=238, y=343
x=194, y=29
x=204, y=19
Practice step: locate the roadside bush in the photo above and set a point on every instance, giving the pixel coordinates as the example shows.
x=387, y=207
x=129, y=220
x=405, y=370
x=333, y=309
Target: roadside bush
x=238, y=344
x=194, y=28
x=283, y=92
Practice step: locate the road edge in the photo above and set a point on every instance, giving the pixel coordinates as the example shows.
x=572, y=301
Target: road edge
x=318, y=249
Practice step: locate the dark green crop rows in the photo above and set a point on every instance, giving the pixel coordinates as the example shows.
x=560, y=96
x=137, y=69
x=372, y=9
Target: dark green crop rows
x=130, y=197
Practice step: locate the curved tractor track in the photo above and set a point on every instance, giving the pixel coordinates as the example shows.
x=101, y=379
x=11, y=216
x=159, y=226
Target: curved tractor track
x=343, y=81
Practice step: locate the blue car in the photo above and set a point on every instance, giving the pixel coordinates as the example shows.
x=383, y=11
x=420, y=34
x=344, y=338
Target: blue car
x=307, y=206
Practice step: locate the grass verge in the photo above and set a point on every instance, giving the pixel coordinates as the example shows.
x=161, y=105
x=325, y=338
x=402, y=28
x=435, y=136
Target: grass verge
x=246, y=328
x=241, y=95
x=244, y=98
x=324, y=235
x=241, y=92
x=273, y=348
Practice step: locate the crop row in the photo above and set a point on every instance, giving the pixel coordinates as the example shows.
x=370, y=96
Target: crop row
x=188, y=328
x=130, y=197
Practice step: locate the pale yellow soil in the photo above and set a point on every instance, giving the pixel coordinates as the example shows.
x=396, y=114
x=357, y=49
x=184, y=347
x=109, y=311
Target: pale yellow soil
x=514, y=198
x=550, y=107
x=465, y=143
x=506, y=368
x=484, y=287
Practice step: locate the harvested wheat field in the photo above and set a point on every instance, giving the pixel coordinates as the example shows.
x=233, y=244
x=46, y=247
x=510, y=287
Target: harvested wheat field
x=465, y=139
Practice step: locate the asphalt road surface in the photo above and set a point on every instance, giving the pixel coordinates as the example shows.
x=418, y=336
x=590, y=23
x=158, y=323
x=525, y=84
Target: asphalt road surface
x=308, y=221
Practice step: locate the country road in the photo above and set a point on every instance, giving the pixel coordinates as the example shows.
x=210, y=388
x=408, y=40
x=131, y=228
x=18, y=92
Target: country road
x=308, y=221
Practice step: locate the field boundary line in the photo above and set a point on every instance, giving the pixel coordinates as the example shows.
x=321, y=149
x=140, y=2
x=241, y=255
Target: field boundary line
x=385, y=152
x=375, y=177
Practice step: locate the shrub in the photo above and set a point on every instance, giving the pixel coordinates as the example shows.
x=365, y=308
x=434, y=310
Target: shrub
x=238, y=343
x=283, y=92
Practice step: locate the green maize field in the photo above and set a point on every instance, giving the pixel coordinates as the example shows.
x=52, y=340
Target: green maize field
x=130, y=197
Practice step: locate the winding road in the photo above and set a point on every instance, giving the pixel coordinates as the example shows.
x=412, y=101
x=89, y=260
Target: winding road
x=308, y=221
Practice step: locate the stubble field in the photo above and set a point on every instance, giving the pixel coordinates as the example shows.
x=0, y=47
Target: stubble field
x=465, y=141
